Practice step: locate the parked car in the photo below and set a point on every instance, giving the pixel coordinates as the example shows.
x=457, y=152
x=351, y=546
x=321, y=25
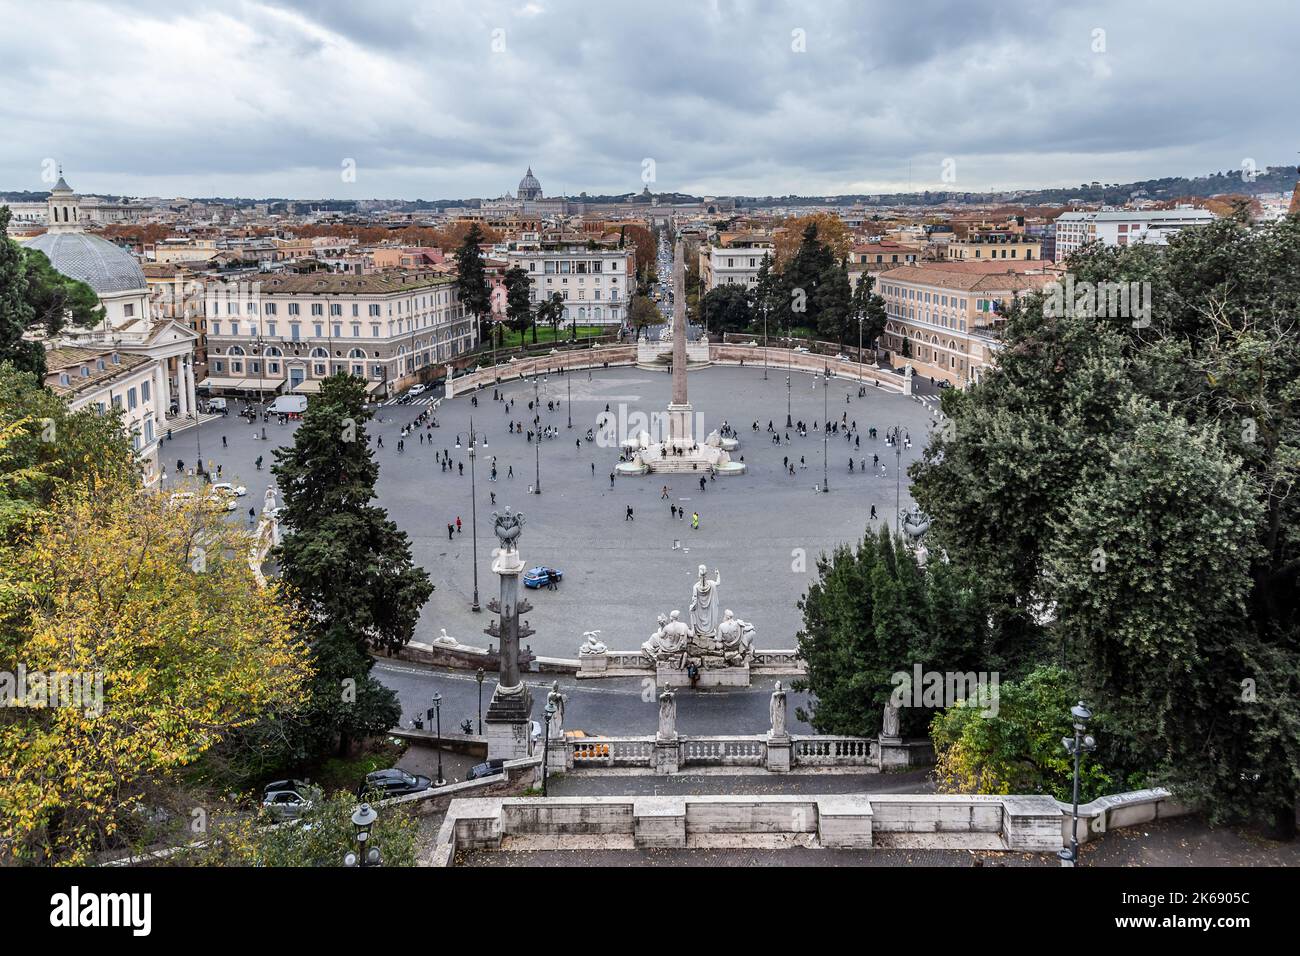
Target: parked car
x=801, y=349
x=288, y=799
x=416, y=390
x=394, y=782
x=943, y=383
x=226, y=488
x=488, y=769
x=540, y=576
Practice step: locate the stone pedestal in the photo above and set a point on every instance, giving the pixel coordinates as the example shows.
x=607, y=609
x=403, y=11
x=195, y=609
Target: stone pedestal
x=893, y=753
x=778, y=754
x=506, y=723
x=667, y=754
x=668, y=676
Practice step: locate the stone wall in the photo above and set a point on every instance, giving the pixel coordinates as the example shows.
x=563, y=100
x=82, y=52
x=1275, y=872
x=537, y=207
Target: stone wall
x=1011, y=823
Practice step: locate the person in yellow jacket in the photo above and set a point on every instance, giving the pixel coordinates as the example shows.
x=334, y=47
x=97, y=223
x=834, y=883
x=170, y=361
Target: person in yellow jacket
x=695, y=521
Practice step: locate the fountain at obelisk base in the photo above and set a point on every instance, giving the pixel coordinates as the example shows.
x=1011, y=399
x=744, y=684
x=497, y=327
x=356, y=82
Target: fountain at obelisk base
x=683, y=449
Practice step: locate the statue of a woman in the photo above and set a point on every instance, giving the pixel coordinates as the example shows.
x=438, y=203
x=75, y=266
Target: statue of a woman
x=705, y=610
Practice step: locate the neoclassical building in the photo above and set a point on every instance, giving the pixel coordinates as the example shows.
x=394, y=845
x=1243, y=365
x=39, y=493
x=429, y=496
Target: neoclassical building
x=155, y=354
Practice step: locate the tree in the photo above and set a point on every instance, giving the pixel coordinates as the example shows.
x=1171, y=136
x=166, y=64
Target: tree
x=766, y=292
x=642, y=312
x=471, y=277
x=1018, y=749
x=34, y=297
x=869, y=619
x=867, y=310
x=830, y=227
x=46, y=447
x=519, y=309
x=58, y=300
x=727, y=309
x=319, y=838
x=16, y=312
x=1196, y=393
x=147, y=612
x=800, y=278
x=835, y=304
x=551, y=311
x=642, y=240
x=347, y=564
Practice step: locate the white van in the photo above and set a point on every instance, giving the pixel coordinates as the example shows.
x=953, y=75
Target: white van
x=288, y=405
x=216, y=404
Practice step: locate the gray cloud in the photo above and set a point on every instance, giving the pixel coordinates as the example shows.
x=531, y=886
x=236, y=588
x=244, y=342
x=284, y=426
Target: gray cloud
x=268, y=98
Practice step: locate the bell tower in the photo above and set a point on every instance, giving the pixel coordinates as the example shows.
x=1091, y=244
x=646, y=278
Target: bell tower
x=63, y=208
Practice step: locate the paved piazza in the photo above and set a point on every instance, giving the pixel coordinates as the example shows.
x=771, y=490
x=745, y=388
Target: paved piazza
x=618, y=574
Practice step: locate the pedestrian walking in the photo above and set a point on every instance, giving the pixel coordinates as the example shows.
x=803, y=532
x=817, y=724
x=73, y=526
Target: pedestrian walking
x=510, y=472
x=611, y=479
x=695, y=521
x=451, y=530
x=873, y=512
x=673, y=509
x=458, y=524
x=223, y=442
x=628, y=516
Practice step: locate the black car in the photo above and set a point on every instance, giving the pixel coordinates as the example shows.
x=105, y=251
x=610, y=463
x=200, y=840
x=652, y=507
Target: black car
x=394, y=783
x=488, y=769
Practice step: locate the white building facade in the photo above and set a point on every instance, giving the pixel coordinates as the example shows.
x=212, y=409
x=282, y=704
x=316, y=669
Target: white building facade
x=1123, y=227
x=595, y=283
x=731, y=265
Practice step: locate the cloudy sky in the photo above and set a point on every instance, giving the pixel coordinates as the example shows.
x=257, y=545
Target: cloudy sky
x=406, y=99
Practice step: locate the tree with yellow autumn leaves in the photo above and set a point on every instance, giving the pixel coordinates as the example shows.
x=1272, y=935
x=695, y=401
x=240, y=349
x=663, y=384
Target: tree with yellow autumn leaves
x=133, y=638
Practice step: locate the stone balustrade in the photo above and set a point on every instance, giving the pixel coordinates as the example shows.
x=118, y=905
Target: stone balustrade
x=859, y=821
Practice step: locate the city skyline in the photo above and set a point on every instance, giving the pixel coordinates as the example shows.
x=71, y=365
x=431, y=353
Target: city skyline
x=305, y=101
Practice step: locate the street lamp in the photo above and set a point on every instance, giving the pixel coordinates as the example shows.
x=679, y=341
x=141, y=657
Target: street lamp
x=568, y=402
x=898, y=471
x=366, y=854
x=472, y=438
x=549, y=709
x=826, y=430
x=479, y=677
x=437, y=716
x=537, y=417
x=789, y=422
x=1076, y=746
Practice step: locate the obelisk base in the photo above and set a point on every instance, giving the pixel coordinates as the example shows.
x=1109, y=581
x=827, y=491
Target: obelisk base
x=507, y=723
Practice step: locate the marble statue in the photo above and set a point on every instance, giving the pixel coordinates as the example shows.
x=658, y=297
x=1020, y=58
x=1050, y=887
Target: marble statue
x=590, y=645
x=776, y=711
x=670, y=640
x=667, y=714
x=914, y=523
x=889, y=724
x=556, y=720
x=736, y=638
x=704, y=603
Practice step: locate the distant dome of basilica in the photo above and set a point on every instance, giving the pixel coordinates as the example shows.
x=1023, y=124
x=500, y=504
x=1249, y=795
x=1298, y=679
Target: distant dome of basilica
x=529, y=187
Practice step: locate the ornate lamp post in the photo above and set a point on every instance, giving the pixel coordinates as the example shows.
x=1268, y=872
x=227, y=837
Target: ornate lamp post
x=479, y=677
x=568, y=401
x=366, y=854
x=437, y=716
x=1077, y=745
x=898, y=469
x=826, y=430
x=472, y=438
x=537, y=417
x=549, y=710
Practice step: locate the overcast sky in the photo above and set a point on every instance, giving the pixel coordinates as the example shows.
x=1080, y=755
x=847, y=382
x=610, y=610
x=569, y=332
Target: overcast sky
x=456, y=99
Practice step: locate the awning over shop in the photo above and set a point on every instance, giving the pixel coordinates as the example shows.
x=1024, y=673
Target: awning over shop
x=307, y=385
x=376, y=386
x=268, y=383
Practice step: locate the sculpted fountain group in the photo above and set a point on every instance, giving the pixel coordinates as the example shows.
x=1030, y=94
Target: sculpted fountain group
x=715, y=639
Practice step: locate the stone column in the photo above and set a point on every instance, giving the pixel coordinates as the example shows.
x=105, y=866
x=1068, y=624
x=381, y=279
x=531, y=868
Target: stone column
x=667, y=743
x=680, y=425
x=508, y=719
x=191, y=403
x=778, y=739
x=162, y=395
x=182, y=393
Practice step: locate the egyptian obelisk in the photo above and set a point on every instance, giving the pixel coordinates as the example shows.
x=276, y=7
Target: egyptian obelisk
x=679, y=409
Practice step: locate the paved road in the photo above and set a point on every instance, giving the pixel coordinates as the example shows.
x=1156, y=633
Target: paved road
x=763, y=530
x=614, y=707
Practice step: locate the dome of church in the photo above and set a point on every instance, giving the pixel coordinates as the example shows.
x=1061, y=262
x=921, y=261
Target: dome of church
x=529, y=187
x=100, y=264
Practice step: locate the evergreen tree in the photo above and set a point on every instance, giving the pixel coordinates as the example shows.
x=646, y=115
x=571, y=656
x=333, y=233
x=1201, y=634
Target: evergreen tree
x=347, y=564
x=834, y=304
x=726, y=309
x=16, y=312
x=471, y=278
x=867, y=311
x=519, y=310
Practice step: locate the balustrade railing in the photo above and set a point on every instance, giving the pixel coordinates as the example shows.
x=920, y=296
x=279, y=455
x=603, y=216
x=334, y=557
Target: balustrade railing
x=832, y=751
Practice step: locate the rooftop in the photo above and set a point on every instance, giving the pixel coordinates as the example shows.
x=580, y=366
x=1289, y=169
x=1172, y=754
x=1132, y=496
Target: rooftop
x=382, y=283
